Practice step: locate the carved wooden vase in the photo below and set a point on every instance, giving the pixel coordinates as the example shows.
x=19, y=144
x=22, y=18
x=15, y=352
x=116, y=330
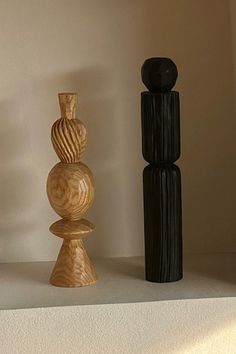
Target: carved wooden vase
x=70, y=190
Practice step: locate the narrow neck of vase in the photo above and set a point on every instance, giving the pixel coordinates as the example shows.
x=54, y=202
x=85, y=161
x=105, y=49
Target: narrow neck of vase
x=68, y=105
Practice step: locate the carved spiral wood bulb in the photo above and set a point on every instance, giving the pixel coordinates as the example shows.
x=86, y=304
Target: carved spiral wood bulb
x=70, y=190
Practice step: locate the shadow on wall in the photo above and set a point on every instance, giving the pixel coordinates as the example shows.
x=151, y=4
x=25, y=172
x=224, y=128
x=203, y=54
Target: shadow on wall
x=27, y=157
x=16, y=191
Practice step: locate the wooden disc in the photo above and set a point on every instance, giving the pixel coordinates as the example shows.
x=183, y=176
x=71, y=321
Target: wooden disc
x=72, y=230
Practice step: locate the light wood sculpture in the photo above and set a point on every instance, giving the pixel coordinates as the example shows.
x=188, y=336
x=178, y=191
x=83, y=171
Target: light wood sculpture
x=70, y=190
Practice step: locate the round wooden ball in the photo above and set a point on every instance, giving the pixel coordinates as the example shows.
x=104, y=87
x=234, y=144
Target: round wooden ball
x=159, y=74
x=70, y=189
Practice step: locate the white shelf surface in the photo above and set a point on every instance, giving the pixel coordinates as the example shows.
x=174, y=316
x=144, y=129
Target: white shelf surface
x=121, y=280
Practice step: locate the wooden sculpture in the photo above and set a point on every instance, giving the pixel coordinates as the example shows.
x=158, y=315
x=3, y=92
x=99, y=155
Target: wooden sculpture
x=160, y=115
x=70, y=190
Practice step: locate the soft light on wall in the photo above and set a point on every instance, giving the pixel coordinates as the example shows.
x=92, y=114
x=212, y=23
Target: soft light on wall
x=97, y=49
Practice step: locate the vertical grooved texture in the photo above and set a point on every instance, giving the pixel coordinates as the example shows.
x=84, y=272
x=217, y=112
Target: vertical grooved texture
x=162, y=223
x=162, y=186
x=160, y=127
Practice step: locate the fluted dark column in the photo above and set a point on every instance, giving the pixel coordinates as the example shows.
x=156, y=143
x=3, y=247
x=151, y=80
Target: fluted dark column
x=161, y=179
x=160, y=127
x=162, y=223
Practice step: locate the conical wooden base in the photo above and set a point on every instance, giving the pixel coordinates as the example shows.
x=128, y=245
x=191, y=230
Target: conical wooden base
x=73, y=267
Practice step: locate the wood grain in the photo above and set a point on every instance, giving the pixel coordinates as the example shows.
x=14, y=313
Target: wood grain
x=68, y=104
x=69, y=139
x=72, y=230
x=70, y=189
x=73, y=267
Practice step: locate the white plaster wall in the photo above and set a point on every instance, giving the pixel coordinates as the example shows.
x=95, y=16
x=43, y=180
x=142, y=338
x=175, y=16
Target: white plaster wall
x=97, y=48
x=171, y=327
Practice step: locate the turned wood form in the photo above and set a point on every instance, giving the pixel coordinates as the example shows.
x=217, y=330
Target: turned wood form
x=162, y=205
x=70, y=190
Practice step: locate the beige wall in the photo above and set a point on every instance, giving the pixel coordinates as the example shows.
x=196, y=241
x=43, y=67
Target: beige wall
x=198, y=35
x=97, y=48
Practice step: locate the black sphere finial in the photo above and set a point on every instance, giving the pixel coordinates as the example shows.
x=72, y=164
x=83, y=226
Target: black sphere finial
x=159, y=74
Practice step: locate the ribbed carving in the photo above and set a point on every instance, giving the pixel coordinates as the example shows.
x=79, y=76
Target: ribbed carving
x=70, y=189
x=69, y=139
x=73, y=267
x=160, y=127
x=163, y=223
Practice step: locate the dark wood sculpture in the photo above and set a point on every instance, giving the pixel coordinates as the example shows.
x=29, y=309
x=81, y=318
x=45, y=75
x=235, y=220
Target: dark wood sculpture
x=161, y=179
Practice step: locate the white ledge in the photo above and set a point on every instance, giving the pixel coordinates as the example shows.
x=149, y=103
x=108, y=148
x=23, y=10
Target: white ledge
x=121, y=280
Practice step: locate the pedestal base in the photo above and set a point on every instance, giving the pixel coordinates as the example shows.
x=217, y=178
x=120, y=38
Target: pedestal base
x=73, y=267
